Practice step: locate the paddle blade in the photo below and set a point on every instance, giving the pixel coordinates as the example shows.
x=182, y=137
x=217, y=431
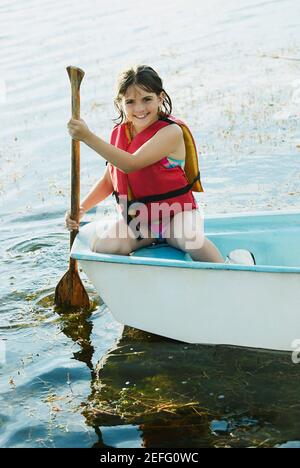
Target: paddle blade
x=70, y=292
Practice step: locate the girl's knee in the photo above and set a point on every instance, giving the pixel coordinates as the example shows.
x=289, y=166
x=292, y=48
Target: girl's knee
x=192, y=242
x=111, y=246
x=119, y=239
x=112, y=239
x=188, y=230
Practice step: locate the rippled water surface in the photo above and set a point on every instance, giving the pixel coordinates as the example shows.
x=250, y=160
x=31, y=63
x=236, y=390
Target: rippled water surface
x=232, y=69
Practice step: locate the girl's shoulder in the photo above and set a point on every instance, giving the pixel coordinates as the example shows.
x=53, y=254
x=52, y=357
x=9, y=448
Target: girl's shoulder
x=173, y=129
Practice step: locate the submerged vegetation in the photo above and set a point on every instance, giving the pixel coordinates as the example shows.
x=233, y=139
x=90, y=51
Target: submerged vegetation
x=207, y=395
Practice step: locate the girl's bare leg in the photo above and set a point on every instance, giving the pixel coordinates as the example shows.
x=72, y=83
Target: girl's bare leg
x=186, y=232
x=207, y=253
x=119, y=239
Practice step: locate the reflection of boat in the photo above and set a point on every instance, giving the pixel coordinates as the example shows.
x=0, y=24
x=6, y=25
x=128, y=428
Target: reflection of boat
x=159, y=393
x=161, y=290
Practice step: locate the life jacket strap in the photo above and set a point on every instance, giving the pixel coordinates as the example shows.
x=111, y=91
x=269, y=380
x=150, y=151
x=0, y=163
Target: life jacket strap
x=166, y=195
x=128, y=216
x=159, y=196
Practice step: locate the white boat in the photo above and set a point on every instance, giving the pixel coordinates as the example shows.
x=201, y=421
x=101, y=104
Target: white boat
x=161, y=290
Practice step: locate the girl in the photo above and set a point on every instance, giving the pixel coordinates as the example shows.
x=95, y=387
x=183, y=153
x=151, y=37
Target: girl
x=145, y=160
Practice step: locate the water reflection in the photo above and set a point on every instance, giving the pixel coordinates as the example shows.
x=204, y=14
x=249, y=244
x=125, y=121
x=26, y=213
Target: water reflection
x=178, y=395
x=77, y=327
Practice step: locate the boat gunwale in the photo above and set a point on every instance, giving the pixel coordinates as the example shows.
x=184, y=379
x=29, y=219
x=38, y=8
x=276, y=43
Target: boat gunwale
x=83, y=253
x=149, y=261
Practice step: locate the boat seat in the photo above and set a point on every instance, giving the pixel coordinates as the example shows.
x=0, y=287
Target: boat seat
x=162, y=250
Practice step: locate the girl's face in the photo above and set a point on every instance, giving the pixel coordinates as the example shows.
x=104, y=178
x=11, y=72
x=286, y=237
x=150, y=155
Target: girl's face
x=141, y=107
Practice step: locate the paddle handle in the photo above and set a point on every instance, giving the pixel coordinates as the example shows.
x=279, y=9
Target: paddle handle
x=76, y=75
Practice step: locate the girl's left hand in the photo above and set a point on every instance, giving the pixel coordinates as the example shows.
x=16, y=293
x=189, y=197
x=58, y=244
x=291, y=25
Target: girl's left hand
x=78, y=129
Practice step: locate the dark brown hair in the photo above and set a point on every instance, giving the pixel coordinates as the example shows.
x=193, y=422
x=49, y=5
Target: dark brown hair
x=146, y=78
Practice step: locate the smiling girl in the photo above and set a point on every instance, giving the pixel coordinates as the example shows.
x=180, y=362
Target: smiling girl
x=148, y=160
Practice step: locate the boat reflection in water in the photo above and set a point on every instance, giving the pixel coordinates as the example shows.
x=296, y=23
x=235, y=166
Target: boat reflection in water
x=149, y=391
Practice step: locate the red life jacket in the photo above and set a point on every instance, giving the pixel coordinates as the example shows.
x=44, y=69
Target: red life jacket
x=155, y=183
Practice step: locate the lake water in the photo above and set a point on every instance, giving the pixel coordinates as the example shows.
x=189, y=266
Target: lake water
x=232, y=69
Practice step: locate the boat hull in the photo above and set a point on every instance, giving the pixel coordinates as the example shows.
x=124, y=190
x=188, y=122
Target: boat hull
x=260, y=310
x=196, y=302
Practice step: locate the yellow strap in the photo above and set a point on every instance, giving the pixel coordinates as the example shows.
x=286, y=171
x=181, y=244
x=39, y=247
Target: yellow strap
x=191, y=166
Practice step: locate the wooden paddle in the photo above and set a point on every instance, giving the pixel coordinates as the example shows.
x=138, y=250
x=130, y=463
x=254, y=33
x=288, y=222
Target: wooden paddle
x=70, y=291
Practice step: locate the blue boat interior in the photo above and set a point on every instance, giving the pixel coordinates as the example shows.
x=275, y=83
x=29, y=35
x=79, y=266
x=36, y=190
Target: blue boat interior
x=273, y=238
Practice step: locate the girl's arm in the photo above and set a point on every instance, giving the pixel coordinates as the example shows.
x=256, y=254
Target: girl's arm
x=101, y=190
x=164, y=142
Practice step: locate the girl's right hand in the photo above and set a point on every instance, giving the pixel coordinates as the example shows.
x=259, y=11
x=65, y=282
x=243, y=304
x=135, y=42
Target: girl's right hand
x=70, y=224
